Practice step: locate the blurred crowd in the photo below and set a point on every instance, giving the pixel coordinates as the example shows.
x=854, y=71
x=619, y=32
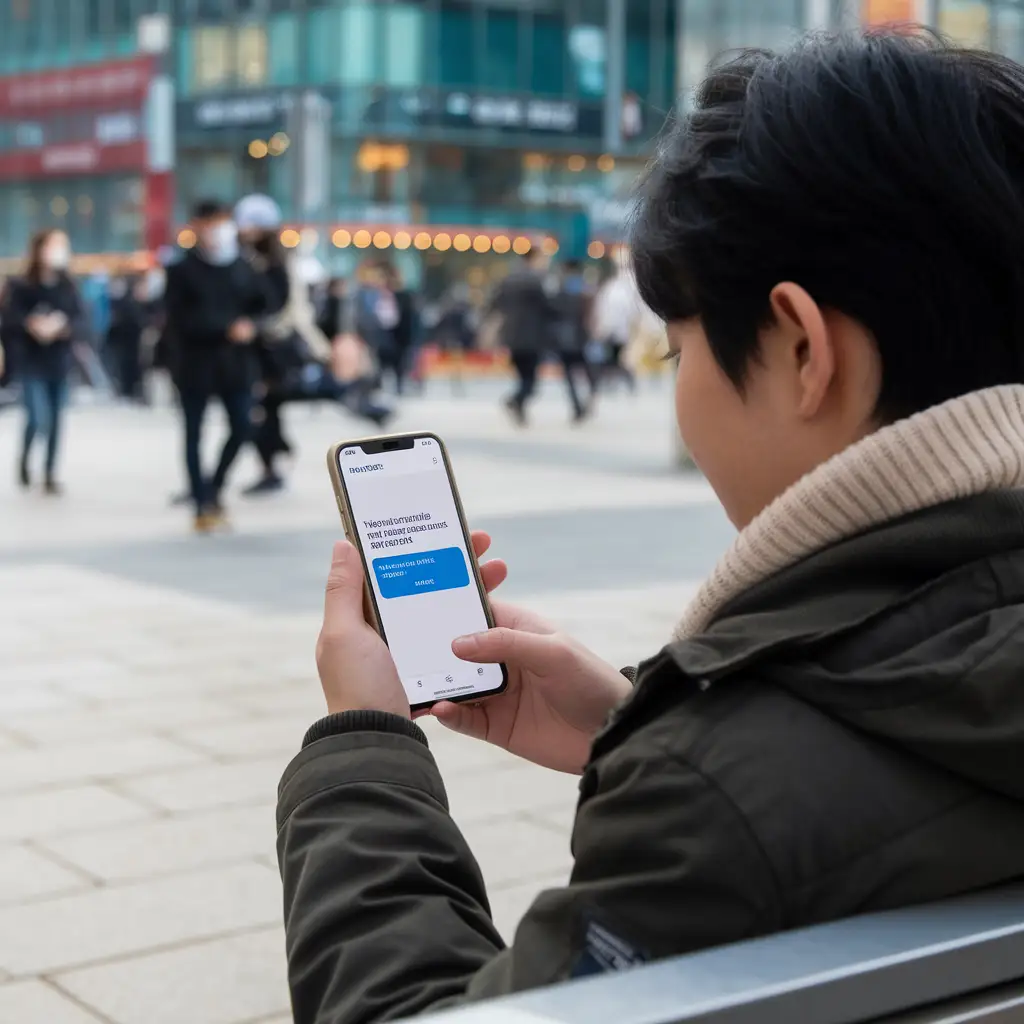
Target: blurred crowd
x=239, y=319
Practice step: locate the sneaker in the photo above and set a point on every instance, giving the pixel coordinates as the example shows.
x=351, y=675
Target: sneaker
x=204, y=523
x=52, y=488
x=266, y=485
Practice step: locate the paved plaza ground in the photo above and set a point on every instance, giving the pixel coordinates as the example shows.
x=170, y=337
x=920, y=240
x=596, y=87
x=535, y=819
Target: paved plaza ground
x=155, y=685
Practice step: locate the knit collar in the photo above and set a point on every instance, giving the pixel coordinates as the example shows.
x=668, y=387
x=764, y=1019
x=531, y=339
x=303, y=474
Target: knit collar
x=966, y=446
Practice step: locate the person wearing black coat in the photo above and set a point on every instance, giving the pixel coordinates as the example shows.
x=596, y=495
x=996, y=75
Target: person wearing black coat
x=213, y=300
x=529, y=320
x=42, y=315
x=130, y=314
x=835, y=723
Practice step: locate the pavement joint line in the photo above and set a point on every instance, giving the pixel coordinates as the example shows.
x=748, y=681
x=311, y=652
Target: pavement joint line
x=113, y=786
x=52, y=983
x=36, y=845
x=147, y=951
x=541, y=822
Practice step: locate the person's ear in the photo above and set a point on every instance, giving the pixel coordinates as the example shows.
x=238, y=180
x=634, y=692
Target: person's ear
x=807, y=344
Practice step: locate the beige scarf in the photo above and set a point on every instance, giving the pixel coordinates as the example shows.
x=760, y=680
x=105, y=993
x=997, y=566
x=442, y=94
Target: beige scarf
x=965, y=446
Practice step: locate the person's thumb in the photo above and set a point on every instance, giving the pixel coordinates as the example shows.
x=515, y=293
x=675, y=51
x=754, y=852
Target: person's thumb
x=536, y=651
x=463, y=718
x=343, y=602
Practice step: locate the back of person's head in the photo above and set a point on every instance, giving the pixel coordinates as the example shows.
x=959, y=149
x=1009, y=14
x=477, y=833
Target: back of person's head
x=835, y=234
x=884, y=174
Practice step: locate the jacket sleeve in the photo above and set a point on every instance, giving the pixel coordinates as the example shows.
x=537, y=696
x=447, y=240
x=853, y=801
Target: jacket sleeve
x=385, y=909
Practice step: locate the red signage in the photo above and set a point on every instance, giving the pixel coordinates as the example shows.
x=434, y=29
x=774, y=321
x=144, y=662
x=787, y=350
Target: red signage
x=114, y=83
x=71, y=160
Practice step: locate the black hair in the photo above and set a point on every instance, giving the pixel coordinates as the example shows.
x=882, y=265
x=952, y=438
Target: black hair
x=884, y=173
x=207, y=209
x=572, y=266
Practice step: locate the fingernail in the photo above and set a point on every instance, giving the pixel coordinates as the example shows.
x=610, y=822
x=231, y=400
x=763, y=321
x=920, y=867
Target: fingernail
x=466, y=644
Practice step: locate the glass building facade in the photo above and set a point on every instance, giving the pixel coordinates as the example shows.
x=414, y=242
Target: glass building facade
x=388, y=119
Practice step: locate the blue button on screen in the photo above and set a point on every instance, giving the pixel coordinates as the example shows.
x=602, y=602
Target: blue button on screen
x=421, y=573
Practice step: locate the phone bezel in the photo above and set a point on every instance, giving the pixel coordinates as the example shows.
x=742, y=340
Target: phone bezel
x=375, y=445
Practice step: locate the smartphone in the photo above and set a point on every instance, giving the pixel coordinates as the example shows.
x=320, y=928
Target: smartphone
x=400, y=507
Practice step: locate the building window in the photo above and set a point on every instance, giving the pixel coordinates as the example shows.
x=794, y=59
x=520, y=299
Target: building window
x=212, y=58
x=251, y=55
x=456, y=44
x=404, y=44
x=548, y=54
x=284, y=49
x=357, y=59
x=501, y=50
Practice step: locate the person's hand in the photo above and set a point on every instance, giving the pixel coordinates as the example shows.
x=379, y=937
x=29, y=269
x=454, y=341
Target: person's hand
x=558, y=697
x=356, y=669
x=41, y=327
x=241, y=332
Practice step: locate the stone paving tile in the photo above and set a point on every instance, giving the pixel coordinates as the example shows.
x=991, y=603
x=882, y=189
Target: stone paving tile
x=226, y=981
x=515, y=850
x=68, y=763
x=248, y=739
x=168, y=845
x=211, y=785
x=35, y=1002
x=26, y=874
x=54, y=811
x=508, y=904
x=111, y=922
x=519, y=786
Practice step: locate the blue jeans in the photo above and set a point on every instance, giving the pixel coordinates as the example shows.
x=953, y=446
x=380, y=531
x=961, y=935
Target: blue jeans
x=44, y=399
x=238, y=406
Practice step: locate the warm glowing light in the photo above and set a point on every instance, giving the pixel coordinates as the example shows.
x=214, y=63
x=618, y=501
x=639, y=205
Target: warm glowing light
x=549, y=247
x=382, y=239
x=258, y=149
x=402, y=239
x=290, y=238
x=606, y=162
x=482, y=243
x=370, y=157
x=342, y=238
x=59, y=206
x=501, y=244
x=461, y=242
x=186, y=238
x=442, y=242
x=362, y=239
x=522, y=245
x=535, y=161
x=595, y=250
x=422, y=240
x=476, y=277
x=278, y=143
x=576, y=163
x=84, y=205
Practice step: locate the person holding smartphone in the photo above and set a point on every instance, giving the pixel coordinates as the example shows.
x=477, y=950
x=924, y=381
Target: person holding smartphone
x=836, y=724
x=41, y=316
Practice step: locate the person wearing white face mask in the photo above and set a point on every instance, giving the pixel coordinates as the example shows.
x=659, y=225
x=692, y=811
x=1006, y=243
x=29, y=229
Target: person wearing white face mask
x=213, y=300
x=43, y=316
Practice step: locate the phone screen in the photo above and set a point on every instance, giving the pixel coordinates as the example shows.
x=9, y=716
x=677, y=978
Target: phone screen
x=418, y=564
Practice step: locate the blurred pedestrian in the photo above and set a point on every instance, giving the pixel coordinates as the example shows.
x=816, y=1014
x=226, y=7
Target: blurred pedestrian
x=42, y=317
x=130, y=315
x=575, y=302
x=456, y=330
x=295, y=354
x=528, y=328
x=213, y=299
x=616, y=309
x=397, y=356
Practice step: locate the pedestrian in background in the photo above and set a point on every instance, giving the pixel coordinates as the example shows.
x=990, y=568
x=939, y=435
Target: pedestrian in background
x=399, y=352
x=130, y=315
x=616, y=309
x=575, y=301
x=42, y=316
x=213, y=299
x=528, y=328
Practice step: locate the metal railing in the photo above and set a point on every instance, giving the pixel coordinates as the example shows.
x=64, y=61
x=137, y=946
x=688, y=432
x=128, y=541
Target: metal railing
x=955, y=961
